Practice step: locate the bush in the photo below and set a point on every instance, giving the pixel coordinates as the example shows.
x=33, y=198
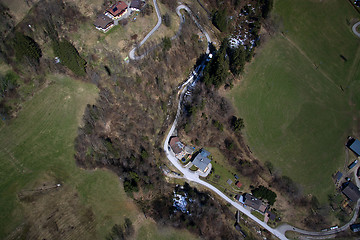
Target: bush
x=166, y=19
x=237, y=123
x=264, y=193
x=8, y=82
x=25, y=46
x=166, y=42
x=69, y=56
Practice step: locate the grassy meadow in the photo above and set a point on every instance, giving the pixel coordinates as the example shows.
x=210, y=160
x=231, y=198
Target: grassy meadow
x=298, y=96
x=36, y=150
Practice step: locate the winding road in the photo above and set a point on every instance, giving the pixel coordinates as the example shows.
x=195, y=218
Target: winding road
x=182, y=20
x=354, y=29
x=192, y=176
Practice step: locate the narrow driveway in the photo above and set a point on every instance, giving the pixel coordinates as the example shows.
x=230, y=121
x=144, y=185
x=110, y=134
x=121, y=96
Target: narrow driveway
x=354, y=29
x=132, y=52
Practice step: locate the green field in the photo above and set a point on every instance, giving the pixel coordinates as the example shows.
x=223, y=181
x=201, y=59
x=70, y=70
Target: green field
x=37, y=148
x=296, y=114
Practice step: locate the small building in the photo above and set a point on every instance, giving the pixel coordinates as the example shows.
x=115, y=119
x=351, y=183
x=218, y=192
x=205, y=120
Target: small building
x=237, y=197
x=338, y=176
x=354, y=145
x=353, y=164
x=238, y=184
x=136, y=5
x=189, y=150
x=236, y=177
x=177, y=147
x=117, y=10
x=254, y=203
x=229, y=181
x=355, y=227
x=103, y=23
x=351, y=191
x=201, y=161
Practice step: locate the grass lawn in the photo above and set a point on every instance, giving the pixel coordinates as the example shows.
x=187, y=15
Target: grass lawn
x=222, y=171
x=38, y=147
x=258, y=215
x=150, y=231
x=295, y=113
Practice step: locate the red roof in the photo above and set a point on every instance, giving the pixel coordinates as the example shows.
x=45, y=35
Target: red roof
x=118, y=8
x=238, y=184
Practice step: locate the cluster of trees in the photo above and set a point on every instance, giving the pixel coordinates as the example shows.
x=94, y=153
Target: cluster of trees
x=207, y=217
x=237, y=124
x=119, y=232
x=225, y=61
x=8, y=83
x=220, y=20
x=166, y=19
x=26, y=47
x=69, y=56
x=166, y=44
x=262, y=192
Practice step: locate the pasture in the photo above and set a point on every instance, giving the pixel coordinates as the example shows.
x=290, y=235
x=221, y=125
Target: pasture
x=37, y=152
x=298, y=96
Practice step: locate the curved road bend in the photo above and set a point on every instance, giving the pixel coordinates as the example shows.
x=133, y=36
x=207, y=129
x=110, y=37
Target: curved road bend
x=132, y=52
x=182, y=20
x=354, y=29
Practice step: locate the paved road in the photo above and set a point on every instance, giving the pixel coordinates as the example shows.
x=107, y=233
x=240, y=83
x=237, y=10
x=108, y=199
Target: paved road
x=182, y=20
x=286, y=227
x=354, y=29
x=132, y=52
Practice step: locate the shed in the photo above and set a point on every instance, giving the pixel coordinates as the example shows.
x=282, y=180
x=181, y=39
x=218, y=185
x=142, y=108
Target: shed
x=338, y=176
x=238, y=184
x=229, y=181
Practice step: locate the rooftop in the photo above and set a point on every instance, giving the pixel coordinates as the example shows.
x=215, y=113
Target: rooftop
x=176, y=145
x=137, y=4
x=118, y=8
x=103, y=21
x=354, y=145
x=255, y=203
x=352, y=192
x=201, y=161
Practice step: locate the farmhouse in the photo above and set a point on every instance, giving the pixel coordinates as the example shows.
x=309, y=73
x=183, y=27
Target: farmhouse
x=103, y=23
x=355, y=227
x=136, y=5
x=201, y=161
x=177, y=147
x=117, y=10
x=351, y=191
x=254, y=203
x=354, y=145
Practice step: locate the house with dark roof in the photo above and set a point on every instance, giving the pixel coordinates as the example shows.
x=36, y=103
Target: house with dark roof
x=351, y=191
x=237, y=197
x=354, y=145
x=103, y=23
x=355, y=227
x=177, y=147
x=202, y=161
x=117, y=10
x=136, y=5
x=254, y=203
